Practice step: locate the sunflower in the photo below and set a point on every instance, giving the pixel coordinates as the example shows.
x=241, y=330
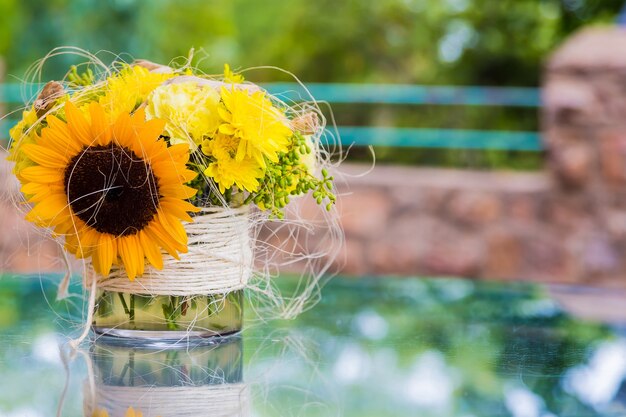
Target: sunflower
x=115, y=191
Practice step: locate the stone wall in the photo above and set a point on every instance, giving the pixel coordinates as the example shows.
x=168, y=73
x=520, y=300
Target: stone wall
x=566, y=224
x=492, y=225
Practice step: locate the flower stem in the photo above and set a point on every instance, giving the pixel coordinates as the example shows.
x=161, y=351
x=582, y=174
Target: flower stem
x=132, y=308
x=126, y=310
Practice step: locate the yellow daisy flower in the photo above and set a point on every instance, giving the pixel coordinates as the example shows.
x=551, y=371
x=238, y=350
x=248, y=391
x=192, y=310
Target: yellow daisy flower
x=189, y=109
x=226, y=170
x=262, y=129
x=231, y=77
x=21, y=135
x=126, y=90
x=115, y=191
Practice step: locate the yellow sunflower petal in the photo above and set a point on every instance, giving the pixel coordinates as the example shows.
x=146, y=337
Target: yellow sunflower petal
x=100, y=129
x=127, y=249
x=83, y=240
x=123, y=131
x=72, y=246
x=104, y=254
x=152, y=129
x=179, y=152
x=179, y=208
x=170, y=172
x=60, y=144
x=50, y=212
x=57, y=134
x=139, y=254
x=44, y=156
x=74, y=226
x=138, y=118
x=77, y=124
x=173, y=226
x=158, y=233
x=178, y=191
x=42, y=175
x=151, y=250
x=147, y=143
x=37, y=191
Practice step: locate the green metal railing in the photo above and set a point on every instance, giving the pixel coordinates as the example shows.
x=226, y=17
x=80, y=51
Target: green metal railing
x=394, y=94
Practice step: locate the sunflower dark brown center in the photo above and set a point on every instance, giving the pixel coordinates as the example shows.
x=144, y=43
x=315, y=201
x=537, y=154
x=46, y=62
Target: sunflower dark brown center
x=111, y=189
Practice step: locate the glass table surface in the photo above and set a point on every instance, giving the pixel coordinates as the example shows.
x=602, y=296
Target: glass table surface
x=371, y=347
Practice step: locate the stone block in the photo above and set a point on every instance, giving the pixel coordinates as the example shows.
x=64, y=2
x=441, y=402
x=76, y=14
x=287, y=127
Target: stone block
x=546, y=257
x=352, y=259
x=366, y=213
x=616, y=224
x=450, y=251
x=569, y=101
x=610, y=87
x=395, y=255
x=569, y=212
x=600, y=255
x=474, y=208
x=435, y=198
x=591, y=50
x=612, y=148
x=572, y=164
x=404, y=199
x=503, y=255
x=522, y=207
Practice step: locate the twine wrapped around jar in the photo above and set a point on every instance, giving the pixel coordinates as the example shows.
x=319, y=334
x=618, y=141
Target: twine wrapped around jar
x=223, y=400
x=219, y=260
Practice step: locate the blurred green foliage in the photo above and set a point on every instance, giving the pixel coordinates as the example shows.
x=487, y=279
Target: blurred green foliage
x=452, y=42
x=480, y=42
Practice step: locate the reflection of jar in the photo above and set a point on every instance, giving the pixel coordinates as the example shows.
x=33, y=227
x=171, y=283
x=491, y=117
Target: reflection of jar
x=198, y=295
x=176, y=381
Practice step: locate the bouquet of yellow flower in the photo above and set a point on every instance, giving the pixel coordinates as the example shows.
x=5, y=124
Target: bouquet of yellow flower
x=122, y=165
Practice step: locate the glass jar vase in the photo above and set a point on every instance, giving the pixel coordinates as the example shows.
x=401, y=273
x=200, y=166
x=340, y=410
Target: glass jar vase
x=167, y=317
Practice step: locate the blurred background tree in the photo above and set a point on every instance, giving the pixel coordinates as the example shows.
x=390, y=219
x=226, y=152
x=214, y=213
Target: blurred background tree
x=481, y=42
x=444, y=42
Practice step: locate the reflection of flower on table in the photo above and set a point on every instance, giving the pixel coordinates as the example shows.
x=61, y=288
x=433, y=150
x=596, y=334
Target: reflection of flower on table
x=131, y=412
x=157, y=382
